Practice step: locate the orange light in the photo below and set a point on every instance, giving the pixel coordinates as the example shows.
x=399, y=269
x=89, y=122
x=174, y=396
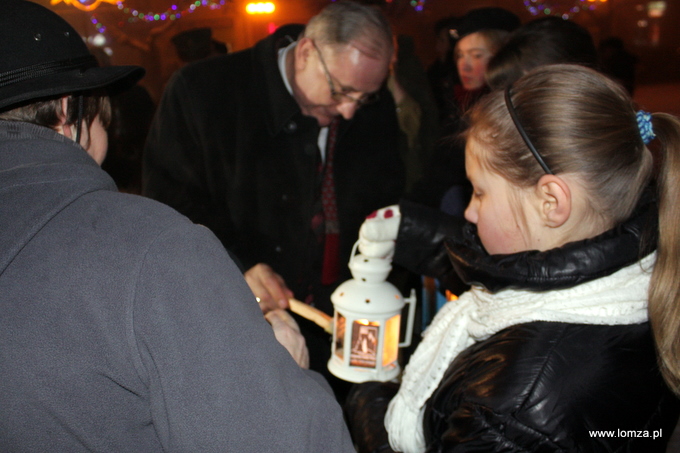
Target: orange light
x=260, y=8
x=82, y=7
x=366, y=322
x=450, y=296
x=391, y=346
x=656, y=9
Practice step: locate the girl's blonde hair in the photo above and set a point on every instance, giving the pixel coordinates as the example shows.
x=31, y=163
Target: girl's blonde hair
x=664, y=289
x=583, y=123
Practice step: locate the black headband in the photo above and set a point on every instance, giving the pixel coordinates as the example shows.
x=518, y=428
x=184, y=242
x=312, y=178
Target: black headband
x=520, y=129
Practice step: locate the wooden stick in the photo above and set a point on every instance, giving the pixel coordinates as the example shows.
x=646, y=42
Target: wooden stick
x=315, y=315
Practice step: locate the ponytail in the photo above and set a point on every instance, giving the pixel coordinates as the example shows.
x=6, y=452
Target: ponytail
x=664, y=289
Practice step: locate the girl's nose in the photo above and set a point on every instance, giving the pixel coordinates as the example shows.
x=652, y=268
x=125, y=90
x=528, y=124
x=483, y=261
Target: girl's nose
x=471, y=213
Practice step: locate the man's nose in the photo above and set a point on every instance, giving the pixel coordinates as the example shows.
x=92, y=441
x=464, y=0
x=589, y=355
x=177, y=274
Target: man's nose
x=347, y=109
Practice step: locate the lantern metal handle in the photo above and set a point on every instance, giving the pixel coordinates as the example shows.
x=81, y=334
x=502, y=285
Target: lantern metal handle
x=354, y=252
x=411, y=301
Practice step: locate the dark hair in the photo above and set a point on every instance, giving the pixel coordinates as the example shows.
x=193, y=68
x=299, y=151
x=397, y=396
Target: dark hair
x=548, y=40
x=486, y=18
x=47, y=113
x=447, y=23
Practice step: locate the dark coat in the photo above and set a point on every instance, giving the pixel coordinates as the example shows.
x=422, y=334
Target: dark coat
x=230, y=149
x=546, y=387
x=539, y=386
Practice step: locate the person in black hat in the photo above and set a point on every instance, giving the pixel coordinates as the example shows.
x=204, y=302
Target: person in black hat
x=124, y=326
x=196, y=44
x=479, y=34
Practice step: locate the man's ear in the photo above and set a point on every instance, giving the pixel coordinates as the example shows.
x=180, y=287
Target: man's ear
x=303, y=50
x=555, y=200
x=63, y=128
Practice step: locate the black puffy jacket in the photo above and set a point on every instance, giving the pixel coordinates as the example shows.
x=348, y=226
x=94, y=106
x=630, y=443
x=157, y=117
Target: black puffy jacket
x=540, y=386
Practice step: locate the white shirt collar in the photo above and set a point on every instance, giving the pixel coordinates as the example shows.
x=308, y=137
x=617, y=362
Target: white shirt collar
x=323, y=132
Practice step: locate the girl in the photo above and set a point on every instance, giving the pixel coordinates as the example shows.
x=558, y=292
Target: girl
x=551, y=346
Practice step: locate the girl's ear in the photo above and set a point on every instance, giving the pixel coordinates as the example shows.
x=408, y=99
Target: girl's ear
x=555, y=200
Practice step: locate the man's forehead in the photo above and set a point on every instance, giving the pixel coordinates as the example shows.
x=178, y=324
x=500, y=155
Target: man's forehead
x=357, y=55
x=373, y=49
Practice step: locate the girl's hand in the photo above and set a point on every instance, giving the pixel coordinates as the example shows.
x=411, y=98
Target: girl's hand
x=379, y=231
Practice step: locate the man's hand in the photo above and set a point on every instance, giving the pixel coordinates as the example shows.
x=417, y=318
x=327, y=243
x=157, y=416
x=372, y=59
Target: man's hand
x=268, y=286
x=287, y=332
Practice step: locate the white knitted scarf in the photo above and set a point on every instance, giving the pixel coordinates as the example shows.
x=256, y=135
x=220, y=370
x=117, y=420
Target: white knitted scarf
x=620, y=298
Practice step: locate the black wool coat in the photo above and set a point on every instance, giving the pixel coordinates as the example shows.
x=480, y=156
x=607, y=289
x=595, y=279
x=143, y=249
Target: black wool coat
x=230, y=149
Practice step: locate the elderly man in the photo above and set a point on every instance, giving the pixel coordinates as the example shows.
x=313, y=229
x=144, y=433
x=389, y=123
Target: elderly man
x=125, y=327
x=283, y=149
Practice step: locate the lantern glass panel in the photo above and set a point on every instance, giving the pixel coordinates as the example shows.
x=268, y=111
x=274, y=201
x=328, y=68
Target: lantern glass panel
x=365, y=335
x=391, y=345
x=339, y=335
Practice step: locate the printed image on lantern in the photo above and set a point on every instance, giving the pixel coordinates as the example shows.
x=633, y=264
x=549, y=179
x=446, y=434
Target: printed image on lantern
x=367, y=323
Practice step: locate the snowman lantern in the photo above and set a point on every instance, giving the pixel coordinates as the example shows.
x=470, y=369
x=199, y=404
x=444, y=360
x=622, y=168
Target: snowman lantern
x=367, y=322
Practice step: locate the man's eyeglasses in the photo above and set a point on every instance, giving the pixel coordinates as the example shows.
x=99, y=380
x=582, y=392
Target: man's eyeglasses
x=339, y=96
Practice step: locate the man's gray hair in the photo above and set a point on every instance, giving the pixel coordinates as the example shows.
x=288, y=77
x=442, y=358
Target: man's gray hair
x=345, y=21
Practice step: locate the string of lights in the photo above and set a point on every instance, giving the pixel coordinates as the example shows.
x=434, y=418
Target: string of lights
x=174, y=12
x=564, y=9
x=418, y=5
